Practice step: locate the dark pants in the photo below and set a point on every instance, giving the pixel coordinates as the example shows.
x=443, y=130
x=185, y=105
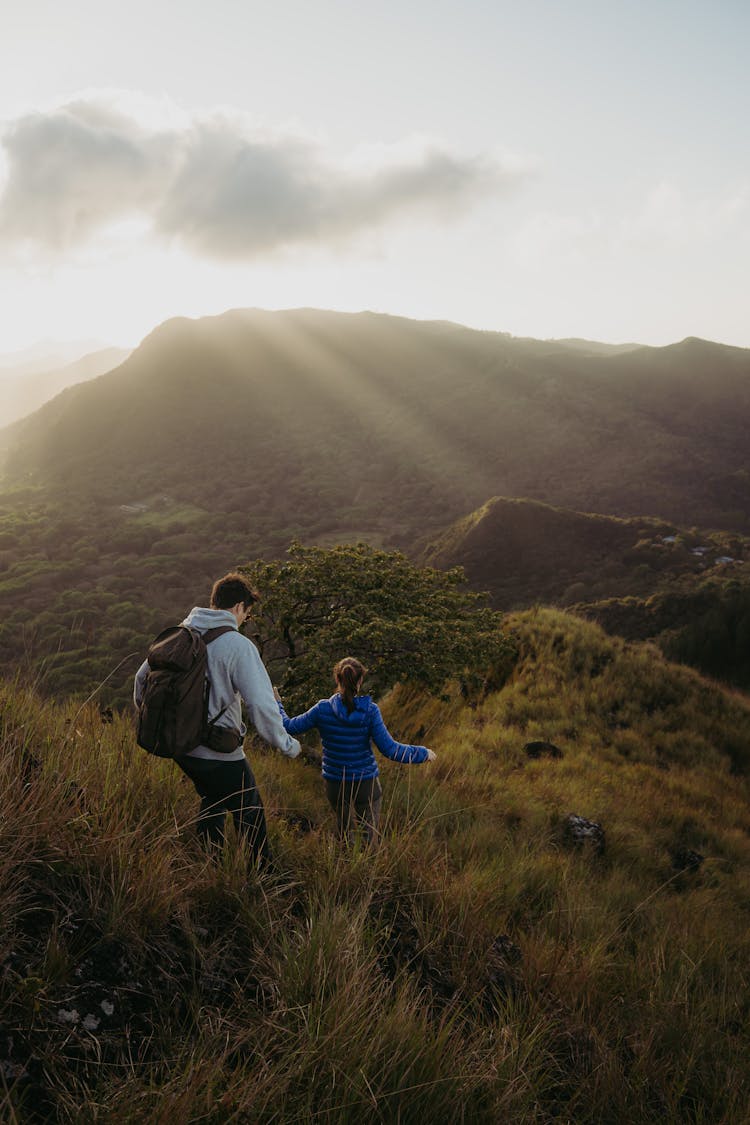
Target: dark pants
x=356, y=803
x=229, y=787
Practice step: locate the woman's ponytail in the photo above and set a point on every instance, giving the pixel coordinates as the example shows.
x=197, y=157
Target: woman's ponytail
x=349, y=674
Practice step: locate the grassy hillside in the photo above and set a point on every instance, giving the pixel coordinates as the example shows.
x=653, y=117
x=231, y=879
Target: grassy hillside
x=477, y=968
x=688, y=589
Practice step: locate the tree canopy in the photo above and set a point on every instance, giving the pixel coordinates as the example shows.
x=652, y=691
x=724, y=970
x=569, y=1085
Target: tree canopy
x=406, y=623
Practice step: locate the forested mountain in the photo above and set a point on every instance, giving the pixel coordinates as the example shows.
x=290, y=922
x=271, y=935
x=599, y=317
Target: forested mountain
x=522, y=552
x=401, y=422
x=220, y=440
x=687, y=588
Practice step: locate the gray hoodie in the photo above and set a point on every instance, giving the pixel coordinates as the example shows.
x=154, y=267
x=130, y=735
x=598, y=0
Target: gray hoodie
x=235, y=671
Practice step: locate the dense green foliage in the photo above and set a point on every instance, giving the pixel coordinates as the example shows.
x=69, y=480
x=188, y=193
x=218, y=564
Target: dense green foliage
x=704, y=623
x=85, y=588
x=405, y=623
x=142, y=982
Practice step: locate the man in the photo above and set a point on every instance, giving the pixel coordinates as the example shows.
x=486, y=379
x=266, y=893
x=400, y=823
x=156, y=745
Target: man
x=236, y=672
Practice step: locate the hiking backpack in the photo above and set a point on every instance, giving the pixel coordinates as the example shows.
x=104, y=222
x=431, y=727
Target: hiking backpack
x=173, y=712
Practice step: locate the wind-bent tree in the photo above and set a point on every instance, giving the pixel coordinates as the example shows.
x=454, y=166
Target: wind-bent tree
x=408, y=624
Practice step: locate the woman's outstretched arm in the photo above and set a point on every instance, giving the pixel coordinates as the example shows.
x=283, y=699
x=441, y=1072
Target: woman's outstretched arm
x=387, y=745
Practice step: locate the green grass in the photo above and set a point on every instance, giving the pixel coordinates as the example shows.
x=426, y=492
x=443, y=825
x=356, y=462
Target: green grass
x=366, y=986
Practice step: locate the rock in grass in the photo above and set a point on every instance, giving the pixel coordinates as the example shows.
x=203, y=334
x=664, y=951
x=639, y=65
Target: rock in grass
x=685, y=859
x=584, y=833
x=299, y=822
x=504, y=950
x=542, y=750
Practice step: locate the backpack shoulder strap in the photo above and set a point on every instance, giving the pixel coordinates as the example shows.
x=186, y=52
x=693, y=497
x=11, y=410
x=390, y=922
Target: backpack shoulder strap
x=212, y=634
x=208, y=636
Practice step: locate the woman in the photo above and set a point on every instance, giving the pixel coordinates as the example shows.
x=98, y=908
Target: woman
x=347, y=723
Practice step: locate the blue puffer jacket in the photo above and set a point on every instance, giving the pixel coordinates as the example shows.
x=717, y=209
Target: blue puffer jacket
x=347, y=753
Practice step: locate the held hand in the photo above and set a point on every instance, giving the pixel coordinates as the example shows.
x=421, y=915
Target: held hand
x=276, y=695
x=431, y=755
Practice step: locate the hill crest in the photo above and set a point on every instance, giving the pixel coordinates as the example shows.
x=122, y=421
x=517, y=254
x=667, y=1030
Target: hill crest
x=465, y=412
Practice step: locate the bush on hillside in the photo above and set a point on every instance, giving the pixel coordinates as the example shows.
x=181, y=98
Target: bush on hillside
x=406, y=623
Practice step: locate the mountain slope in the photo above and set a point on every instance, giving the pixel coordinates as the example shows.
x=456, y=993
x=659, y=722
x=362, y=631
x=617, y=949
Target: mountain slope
x=522, y=552
x=25, y=391
x=420, y=414
x=220, y=440
x=641, y=578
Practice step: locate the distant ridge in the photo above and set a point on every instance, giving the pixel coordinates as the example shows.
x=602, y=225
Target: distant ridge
x=434, y=417
x=524, y=552
x=594, y=347
x=46, y=355
x=685, y=588
x=24, y=391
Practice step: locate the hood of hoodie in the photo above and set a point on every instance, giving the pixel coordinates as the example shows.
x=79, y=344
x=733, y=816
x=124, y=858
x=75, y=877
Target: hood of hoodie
x=358, y=716
x=205, y=619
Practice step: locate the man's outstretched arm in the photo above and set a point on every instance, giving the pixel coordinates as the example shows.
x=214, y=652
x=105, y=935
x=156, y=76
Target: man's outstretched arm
x=252, y=681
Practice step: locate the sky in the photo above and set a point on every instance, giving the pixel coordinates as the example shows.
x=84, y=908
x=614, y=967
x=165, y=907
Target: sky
x=551, y=168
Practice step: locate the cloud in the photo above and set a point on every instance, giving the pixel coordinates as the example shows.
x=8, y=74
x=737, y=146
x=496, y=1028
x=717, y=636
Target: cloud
x=212, y=183
x=73, y=170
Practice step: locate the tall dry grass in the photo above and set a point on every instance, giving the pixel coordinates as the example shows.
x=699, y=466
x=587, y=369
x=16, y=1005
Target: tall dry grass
x=142, y=981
